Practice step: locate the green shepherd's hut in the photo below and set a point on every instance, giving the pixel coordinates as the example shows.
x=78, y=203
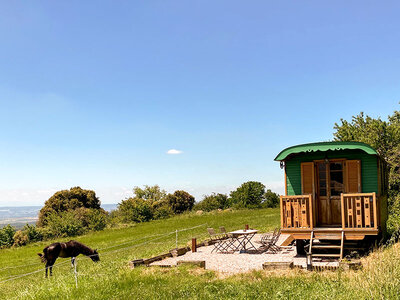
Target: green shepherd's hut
x=335, y=193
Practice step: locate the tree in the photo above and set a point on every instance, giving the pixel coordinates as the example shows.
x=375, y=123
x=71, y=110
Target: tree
x=212, y=202
x=135, y=210
x=249, y=194
x=68, y=200
x=271, y=199
x=180, y=201
x=150, y=193
x=384, y=136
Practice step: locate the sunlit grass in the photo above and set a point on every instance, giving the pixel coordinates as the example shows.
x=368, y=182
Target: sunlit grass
x=113, y=279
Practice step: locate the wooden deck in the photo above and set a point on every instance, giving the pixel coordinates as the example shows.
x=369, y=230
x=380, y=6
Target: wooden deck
x=358, y=214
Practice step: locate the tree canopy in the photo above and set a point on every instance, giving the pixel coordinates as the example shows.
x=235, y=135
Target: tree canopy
x=384, y=136
x=65, y=200
x=180, y=201
x=249, y=194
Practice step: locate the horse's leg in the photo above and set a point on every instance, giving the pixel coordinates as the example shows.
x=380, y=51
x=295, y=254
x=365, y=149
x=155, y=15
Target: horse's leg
x=72, y=262
x=47, y=267
x=51, y=267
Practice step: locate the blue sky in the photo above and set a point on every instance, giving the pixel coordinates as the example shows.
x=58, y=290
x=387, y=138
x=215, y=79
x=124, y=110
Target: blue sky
x=94, y=93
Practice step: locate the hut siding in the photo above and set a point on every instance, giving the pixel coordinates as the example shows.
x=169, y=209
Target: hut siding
x=369, y=169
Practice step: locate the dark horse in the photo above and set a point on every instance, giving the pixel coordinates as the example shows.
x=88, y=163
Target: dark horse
x=69, y=249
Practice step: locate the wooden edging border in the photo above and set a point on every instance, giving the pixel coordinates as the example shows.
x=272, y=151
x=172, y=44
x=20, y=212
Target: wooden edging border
x=173, y=252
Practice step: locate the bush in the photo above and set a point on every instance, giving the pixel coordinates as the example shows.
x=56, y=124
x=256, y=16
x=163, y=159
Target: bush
x=20, y=238
x=7, y=236
x=67, y=200
x=93, y=219
x=162, y=211
x=213, y=202
x=65, y=224
x=249, y=194
x=97, y=220
x=393, y=222
x=135, y=210
x=45, y=232
x=271, y=199
x=33, y=233
x=180, y=201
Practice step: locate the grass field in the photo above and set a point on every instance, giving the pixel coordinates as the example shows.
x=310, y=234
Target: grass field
x=113, y=279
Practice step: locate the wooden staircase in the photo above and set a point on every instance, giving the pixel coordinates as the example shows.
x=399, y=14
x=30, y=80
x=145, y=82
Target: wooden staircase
x=330, y=248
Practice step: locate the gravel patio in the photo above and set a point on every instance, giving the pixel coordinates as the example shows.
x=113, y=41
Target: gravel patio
x=241, y=262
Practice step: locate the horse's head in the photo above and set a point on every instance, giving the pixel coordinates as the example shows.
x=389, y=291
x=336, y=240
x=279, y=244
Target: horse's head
x=95, y=256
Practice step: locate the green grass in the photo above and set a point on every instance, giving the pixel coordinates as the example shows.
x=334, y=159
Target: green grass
x=113, y=279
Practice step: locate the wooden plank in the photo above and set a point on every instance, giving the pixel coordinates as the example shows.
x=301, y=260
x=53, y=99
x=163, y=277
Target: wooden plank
x=353, y=176
x=367, y=211
x=358, y=212
x=304, y=222
x=341, y=246
x=287, y=241
x=343, y=211
x=310, y=201
x=296, y=217
x=349, y=213
x=289, y=213
x=282, y=213
x=295, y=196
x=359, y=194
x=375, y=211
x=307, y=178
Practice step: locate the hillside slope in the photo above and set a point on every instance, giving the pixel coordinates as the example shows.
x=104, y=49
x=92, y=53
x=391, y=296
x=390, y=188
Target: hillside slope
x=113, y=279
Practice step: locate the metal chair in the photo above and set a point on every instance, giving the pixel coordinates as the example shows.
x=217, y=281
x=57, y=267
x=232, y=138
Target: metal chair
x=213, y=235
x=224, y=233
x=269, y=241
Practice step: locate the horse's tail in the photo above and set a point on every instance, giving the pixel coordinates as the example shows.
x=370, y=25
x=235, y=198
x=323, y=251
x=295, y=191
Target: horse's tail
x=43, y=256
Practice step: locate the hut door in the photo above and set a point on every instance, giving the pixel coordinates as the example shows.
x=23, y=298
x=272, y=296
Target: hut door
x=330, y=184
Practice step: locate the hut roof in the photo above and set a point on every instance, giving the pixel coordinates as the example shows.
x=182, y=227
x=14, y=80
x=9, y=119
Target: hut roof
x=323, y=147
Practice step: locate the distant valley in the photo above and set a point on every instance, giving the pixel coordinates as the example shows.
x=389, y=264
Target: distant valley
x=18, y=216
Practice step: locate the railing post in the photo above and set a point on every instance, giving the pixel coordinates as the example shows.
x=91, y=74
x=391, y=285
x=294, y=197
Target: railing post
x=282, y=211
x=311, y=211
x=343, y=211
x=375, y=210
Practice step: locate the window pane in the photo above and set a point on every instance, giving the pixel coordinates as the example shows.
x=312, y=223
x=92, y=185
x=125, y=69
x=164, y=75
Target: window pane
x=322, y=179
x=336, y=174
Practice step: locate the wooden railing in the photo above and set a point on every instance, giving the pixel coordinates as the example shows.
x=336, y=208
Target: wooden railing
x=359, y=210
x=296, y=211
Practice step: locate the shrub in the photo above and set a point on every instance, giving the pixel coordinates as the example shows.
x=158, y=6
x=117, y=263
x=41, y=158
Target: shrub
x=135, y=210
x=45, y=232
x=212, y=202
x=7, y=236
x=20, y=238
x=97, y=220
x=162, y=211
x=68, y=200
x=393, y=222
x=271, y=199
x=93, y=219
x=180, y=201
x=249, y=194
x=65, y=224
x=33, y=233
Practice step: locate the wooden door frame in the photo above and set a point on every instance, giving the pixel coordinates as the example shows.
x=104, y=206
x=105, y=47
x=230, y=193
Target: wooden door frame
x=328, y=185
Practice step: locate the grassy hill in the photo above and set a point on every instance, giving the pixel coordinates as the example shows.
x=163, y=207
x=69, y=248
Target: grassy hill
x=113, y=279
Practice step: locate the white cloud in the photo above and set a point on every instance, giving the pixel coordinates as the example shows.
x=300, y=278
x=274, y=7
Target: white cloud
x=174, y=151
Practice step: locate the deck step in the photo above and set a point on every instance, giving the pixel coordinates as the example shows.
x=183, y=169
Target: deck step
x=326, y=246
x=328, y=237
x=326, y=255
